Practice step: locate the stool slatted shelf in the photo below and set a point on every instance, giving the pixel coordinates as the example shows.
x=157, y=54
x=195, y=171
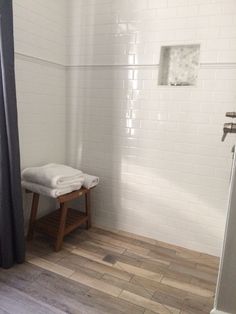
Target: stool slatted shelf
x=61, y=221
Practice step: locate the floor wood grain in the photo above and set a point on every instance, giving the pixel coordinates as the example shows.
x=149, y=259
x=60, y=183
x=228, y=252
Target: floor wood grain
x=103, y=271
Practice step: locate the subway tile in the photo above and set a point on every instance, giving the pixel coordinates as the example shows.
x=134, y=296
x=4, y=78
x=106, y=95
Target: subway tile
x=157, y=149
x=152, y=4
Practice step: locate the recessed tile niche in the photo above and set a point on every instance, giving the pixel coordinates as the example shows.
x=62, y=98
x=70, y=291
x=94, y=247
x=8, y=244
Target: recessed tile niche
x=179, y=65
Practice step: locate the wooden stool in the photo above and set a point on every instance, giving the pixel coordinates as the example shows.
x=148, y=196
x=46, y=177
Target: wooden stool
x=61, y=221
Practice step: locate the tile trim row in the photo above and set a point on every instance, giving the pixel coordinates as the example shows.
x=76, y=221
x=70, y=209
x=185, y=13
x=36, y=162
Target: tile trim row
x=29, y=58
x=202, y=65
x=33, y=59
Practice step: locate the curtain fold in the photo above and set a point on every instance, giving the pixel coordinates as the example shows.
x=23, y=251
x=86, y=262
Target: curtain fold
x=12, y=244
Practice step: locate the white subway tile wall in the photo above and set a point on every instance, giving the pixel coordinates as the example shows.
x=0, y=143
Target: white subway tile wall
x=40, y=33
x=130, y=31
x=40, y=29
x=41, y=112
x=164, y=172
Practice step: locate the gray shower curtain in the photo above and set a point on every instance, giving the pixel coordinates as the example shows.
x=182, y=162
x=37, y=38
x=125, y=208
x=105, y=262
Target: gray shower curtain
x=12, y=245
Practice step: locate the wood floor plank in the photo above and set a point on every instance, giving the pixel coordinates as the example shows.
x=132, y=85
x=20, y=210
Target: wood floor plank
x=138, y=271
x=187, y=254
x=55, y=268
x=78, y=276
x=101, y=271
x=62, y=293
x=75, y=261
x=67, y=295
x=192, y=312
x=119, y=243
x=116, y=305
x=172, y=259
x=96, y=284
x=136, y=243
x=194, y=272
x=145, y=258
x=148, y=284
x=123, y=259
x=187, y=287
x=20, y=275
x=104, y=256
x=93, y=249
x=204, y=284
x=208, y=269
x=107, y=247
x=163, y=269
x=170, y=311
x=169, y=273
x=147, y=304
x=87, y=254
x=147, y=243
x=206, y=260
x=99, y=254
x=161, y=247
x=15, y=301
x=198, y=304
x=213, y=259
x=169, y=296
x=129, y=286
x=2, y=311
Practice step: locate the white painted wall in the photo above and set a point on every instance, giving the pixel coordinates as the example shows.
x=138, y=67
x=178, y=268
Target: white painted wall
x=164, y=172
x=40, y=52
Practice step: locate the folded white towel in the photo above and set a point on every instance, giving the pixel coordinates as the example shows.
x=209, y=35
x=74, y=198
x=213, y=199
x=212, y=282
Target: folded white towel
x=54, y=176
x=40, y=189
x=90, y=181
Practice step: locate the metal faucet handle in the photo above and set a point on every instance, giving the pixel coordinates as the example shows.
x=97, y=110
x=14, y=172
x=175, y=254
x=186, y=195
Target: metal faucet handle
x=230, y=114
x=228, y=128
x=224, y=136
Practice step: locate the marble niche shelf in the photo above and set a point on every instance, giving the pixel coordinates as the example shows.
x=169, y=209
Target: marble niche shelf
x=179, y=65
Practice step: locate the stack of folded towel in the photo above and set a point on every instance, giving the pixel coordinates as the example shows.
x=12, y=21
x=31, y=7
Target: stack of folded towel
x=54, y=180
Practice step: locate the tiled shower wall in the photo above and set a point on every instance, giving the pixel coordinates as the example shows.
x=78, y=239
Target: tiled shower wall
x=164, y=172
x=40, y=51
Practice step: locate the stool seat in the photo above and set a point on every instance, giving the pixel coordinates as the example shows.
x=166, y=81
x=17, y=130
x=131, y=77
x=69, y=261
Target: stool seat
x=62, y=221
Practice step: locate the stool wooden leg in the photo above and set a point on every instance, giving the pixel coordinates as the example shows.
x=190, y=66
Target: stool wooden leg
x=33, y=215
x=87, y=209
x=62, y=223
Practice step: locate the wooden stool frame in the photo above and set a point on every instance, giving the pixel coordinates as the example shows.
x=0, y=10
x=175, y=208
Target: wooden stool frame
x=61, y=221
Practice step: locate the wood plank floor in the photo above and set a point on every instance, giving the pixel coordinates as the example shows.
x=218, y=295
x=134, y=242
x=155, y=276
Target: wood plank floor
x=100, y=271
